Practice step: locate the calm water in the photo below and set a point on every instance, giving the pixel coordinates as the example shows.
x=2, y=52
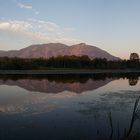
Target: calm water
x=69, y=107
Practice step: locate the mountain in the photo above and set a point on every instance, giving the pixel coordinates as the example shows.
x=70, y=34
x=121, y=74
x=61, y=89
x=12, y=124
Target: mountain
x=58, y=49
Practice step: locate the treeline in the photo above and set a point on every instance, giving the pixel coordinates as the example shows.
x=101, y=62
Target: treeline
x=72, y=78
x=71, y=62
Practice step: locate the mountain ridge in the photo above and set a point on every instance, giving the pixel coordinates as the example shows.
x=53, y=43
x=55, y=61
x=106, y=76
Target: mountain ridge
x=59, y=49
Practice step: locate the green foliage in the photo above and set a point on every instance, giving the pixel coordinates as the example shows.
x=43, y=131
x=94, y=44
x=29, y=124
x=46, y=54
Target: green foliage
x=64, y=62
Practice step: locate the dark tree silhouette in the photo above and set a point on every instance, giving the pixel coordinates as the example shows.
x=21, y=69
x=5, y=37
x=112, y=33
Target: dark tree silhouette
x=64, y=62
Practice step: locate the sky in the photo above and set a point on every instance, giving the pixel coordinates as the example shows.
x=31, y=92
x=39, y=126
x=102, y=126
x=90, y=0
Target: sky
x=112, y=25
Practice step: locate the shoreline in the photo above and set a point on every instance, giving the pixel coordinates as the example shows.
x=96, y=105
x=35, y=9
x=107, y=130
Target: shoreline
x=59, y=71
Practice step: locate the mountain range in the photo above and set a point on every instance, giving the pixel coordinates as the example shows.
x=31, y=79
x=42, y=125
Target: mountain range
x=58, y=49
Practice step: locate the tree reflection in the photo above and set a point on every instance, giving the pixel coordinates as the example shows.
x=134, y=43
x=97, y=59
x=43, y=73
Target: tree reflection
x=133, y=81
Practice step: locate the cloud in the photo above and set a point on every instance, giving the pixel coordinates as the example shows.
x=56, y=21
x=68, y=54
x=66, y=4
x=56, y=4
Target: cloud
x=35, y=31
x=15, y=26
x=21, y=5
x=28, y=7
x=50, y=27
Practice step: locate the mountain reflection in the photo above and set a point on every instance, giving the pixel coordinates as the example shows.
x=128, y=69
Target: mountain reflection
x=59, y=83
x=46, y=86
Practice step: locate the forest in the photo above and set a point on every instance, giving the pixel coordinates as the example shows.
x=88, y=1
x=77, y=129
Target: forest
x=65, y=62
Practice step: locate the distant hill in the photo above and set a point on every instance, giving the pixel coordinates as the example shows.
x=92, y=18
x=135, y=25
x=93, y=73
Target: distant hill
x=58, y=49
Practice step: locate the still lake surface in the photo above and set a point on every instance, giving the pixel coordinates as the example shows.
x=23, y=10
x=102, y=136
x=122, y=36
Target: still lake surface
x=70, y=107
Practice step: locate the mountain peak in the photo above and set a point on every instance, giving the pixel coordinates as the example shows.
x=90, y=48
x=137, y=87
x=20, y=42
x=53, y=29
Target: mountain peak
x=82, y=44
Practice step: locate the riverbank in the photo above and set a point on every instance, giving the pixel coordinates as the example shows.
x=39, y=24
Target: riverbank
x=68, y=71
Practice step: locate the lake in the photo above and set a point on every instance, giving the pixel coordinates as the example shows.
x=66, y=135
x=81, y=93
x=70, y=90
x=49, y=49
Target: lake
x=70, y=107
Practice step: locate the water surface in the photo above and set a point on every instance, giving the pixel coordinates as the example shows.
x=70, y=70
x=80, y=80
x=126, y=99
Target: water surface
x=69, y=107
